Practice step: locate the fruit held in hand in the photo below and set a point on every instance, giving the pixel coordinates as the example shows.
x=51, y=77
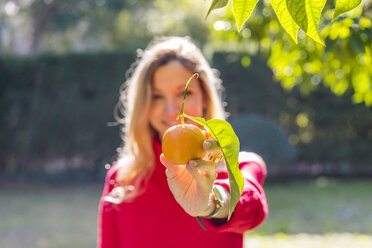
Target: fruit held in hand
x=182, y=143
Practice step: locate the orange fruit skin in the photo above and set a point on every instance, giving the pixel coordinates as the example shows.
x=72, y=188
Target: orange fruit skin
x=182, y=143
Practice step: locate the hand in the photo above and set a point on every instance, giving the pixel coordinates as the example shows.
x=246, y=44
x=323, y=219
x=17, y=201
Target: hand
x=191, y=184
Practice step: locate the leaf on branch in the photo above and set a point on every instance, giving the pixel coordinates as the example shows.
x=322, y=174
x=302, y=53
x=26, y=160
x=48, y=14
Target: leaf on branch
x=230, y=147
x=285, y=19
x=242, y=10
x=306, y=13
x=343, y=6
x=216, y=4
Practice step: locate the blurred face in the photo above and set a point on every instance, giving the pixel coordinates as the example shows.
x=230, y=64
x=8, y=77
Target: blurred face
x=168, y=86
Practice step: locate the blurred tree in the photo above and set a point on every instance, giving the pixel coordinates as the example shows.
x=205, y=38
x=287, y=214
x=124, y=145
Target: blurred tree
x=162, y=18
x=42, y=11
x=32, y=26
x=77, y=25
x=343, y=64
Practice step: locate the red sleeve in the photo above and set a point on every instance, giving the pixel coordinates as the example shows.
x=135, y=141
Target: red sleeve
x=252, y=208
x=107, y=233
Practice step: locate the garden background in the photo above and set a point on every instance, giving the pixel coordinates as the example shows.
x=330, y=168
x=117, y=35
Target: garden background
x=62, y=64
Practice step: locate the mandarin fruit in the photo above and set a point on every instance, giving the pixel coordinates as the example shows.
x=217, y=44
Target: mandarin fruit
x=182, y=143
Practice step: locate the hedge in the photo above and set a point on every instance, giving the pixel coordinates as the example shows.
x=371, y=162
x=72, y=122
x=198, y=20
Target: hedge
x=56, y=115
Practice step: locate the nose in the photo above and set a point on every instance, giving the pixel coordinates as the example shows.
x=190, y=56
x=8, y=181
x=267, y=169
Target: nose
x=172, y=107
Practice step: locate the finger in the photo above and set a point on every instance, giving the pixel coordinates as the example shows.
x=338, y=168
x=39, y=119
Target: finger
x=164, y=161
x=203, y=165
x=212, y=146
x=200, y=168
x=171, y=168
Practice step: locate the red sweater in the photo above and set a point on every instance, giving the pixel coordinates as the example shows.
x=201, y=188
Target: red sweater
x=155, y=219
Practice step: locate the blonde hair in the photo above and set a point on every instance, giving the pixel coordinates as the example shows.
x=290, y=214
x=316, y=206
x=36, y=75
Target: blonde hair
x=136, y=158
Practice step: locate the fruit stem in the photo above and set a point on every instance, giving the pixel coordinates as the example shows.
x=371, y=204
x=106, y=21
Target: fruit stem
x=181, y=114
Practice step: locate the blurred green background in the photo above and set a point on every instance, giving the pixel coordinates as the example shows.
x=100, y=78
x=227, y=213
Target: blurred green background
x=305, y=108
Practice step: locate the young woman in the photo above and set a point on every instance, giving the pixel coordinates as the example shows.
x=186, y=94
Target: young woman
x=148, y=201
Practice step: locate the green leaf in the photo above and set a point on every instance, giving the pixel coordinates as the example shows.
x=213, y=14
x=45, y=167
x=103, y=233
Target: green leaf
x=242, y=10
x=306, y=13
x=343, y=6
x=285, y=19
x=198, y=120
x=216, y=4
x=230, y=147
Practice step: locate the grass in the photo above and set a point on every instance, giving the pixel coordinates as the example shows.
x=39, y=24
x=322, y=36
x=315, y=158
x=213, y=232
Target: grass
x=42, y=216
x=304, y=240
x=319, y=207
x=321, y=213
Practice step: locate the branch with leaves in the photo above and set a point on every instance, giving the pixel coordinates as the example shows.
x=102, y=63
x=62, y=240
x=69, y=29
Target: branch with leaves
x=229, y=143
x=343, y=65
x=292, y=14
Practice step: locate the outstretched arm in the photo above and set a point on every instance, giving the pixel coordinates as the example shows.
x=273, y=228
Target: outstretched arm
x=191, y=186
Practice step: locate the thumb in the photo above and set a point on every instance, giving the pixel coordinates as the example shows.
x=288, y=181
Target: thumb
x=172, y=169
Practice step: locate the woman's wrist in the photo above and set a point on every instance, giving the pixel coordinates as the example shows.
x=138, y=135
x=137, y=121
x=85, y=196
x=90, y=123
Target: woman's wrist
x=219, y=201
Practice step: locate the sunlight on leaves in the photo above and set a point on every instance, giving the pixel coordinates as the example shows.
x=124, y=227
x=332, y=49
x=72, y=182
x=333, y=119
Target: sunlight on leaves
x=343, y=6
x=343, y=66
x=242, y=10
x=281, y=10
x=307, y=15
x=216, y=4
